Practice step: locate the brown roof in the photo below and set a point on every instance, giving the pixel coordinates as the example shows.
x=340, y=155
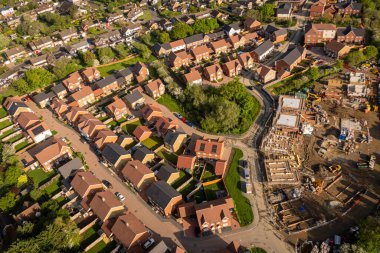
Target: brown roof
x=232, y=64
x=29, y=213
x=317, y=8
x=219, y=44
x=200, y=50
x=37, y=129
x=193, y=76
x=251, y=23
x=83, y=180
x=244, y=57
x=74, y=113
x=154, y=85
x=90, y=72
x=150, y=109
x=57, y=147
x=163, y=124
x=88, y=123
x=335, y=46
x=213, y=69
x=220, y=166
x=213, y=211
x=186, y=161
x=84, y=92
x=73, y=78
x=117, y=104
x=59, y=106
x=126, y=228
x=135, y=170
x=105, y=135
x=177, y=43
x=186, y=210
x=263, y=70
x=250, y=36
x=103, y=202
x=208, y=144
x=236, y=38
x=323, y=27
x=27, y=119
x=140, y=131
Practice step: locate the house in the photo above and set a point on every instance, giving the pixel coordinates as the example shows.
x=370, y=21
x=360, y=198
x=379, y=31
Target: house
x=85, y=182
x=108, y=39
x=262, y=51
x=213, y=73
x=168, y=174
x=115, y=155
x=336, y=49
x=201, y=53
x=7, y=11
x=73, y=82
x=349, y=8
x=291, y=59
x=124, y=76
x=162, y=50
x=143, y=154
x=186, y=162
x=317, y=10
x=215, y=36
x=246, y=60
x=42, y=99
x=127, y=230
x=174, y=140
x=237, y=41
x=74, y=113
x=113, y=17
x=155, y=88
x=105, y=205
x=40, y=44
x=108, y=84
x=89, y=126
x=195, y=40
x=284, y=11
x=68, y=34
x=59, y=90
x=177, y=45
x=264, y=74
x=117, y=109
x=81, y=46
x=15, y=53
x=29, y=212
x=209, y=148
x=134, y=14
x=220, y=46
x=82, y=97
x=47, y=154
x=91, y=74
x=15, y=106
x=130, y=31
x=319, y=33
x=138, y=175
x=26, y=120
x=69, y=169
x=141, y=71
x=142, y=133
x=232, y=29
x=151, y=112
x=279, y=35
x=180, y=59
x=39, y=132
x=104, y=136
x=39, y=60
x=232, y=68
x=216, y=216
x=219, y=15
x=125, y=141
x=350, y=35
x=161, y=195
x=193, y=78
x=134, y=99
x=164, y=124
x=252, y=25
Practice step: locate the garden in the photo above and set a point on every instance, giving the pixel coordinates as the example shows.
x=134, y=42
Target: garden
x=89, y=236
x=130, y=127
x=39, y=176
x=153, y=142
x=103, y=247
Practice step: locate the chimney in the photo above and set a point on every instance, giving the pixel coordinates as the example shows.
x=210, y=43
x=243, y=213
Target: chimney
x=134, y=166
x=103, y=199
x=211, y=206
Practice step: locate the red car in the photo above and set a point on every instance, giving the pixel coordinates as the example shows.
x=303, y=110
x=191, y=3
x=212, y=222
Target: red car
x=184, y=120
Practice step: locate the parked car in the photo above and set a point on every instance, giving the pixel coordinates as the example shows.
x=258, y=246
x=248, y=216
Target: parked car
x=120, y=196
x=131, y=117
x=177, y=115
x=183, y=119
x=190, y=124
x=107, y=184
x=148, y=243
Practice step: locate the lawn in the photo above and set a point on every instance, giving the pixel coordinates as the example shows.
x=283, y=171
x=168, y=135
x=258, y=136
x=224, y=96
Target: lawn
x=183, y=177
x=153, y=142
x=21, y=145
x=168, y=156
x=242, y=205
x=209, y=173
x=129, y=128
x=188, y=188
x=6, y=133
x=257, y=250
x=146, y=16
x=5, y=123
x=89, y=236
x=3, y=112
x=112, y=124
x=108, y=70
x=15, y=138
x=172, y=104
x=39, y=177
x=53, y=188
x=102, y=247
x=61, y=200
x=210, y=190
x=199, y=196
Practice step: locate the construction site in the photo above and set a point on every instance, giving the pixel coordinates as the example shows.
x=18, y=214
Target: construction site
x=320, y=158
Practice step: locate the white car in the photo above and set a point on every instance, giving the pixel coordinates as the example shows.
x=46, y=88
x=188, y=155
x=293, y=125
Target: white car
x=120, y=196
x=131, y=117
x=148, y=243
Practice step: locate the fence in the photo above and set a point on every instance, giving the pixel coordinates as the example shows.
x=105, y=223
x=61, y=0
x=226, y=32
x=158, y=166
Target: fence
x=11, y=135
x=5, y=118
x=19, y=141
x=6, y=128
x=215, y=181
x=179, y=188
x=52, y=180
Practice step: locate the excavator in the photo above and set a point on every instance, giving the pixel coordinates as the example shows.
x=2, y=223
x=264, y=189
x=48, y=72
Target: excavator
x=312, y=98
x=335, y=168
x=369, y=107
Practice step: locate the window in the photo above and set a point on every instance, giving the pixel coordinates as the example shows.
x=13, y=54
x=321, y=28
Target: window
x=213, y=149
x=202, y=147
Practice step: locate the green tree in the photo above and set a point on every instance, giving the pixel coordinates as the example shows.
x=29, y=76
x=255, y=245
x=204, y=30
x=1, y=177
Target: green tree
x=253, y=13
x=370, y=52
x=144, y=51
x=65, y=66
x=7, y=202
x=369, y=235
x=267, y=11
x=164, y=37
x=55, y=21
x=25, y=230
x=38, y=78
x=87, y=58
x=36, y=193
x=181, y=30
x=12, y=175
x=313, y=73
x=105, y=54
x=7, y=152
x=121, y=50
x=339, y=64
x=20, y=85
x=4, y=41
x=355, y=58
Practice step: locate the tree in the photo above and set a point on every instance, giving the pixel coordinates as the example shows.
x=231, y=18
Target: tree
x=25, y=230
x=7, y=151
x=87, y=58
x=20, y=85
x=313, y=73
x=164, y=37
x=181, y=30
x=22, y=179
x=144, y=51
x=339, y=64
x=355, y=58
x=253, y=13
x=121, y=50
x=12, y=175
x=267, y=11
x=4, y=41
x=36, y=193
x=64, y=67
x=105, y=54
x=7, y=202
x=370, y=52
x=55, y=21
x=38, y=78
x=351, y=248
x=369, y=235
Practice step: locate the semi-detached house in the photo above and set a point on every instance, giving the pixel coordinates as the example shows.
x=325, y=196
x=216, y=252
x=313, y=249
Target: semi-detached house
x=263, y=51
x=320, y=33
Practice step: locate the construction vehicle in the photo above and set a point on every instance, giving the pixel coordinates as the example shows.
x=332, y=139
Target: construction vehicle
x=318, y=185
x=335, y=168
x=313, y=97
x=369, y=107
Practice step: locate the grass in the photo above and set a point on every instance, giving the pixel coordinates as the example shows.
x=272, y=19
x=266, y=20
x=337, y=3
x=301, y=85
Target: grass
x=242, y=205
x=122, y=120
x=62, y=200
x=53, y=188
x=104, y=118
x=172, y=104
x=108, y=70
x=21, y=145
x=54, y=132
x=5, y=123
x=39, y=177
x=89, y=236
x=168, y=156
x=188, y=188
x=200, y=196
x=210, y=190
x=209, y=174
x=257, y=250
x=3, y=112
x=153, y=142
x=129, y=128
x=15, y=138
x=112, y=124
x=183, y=177
x=146, y=16
x=102, y=247
x=7, y=133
